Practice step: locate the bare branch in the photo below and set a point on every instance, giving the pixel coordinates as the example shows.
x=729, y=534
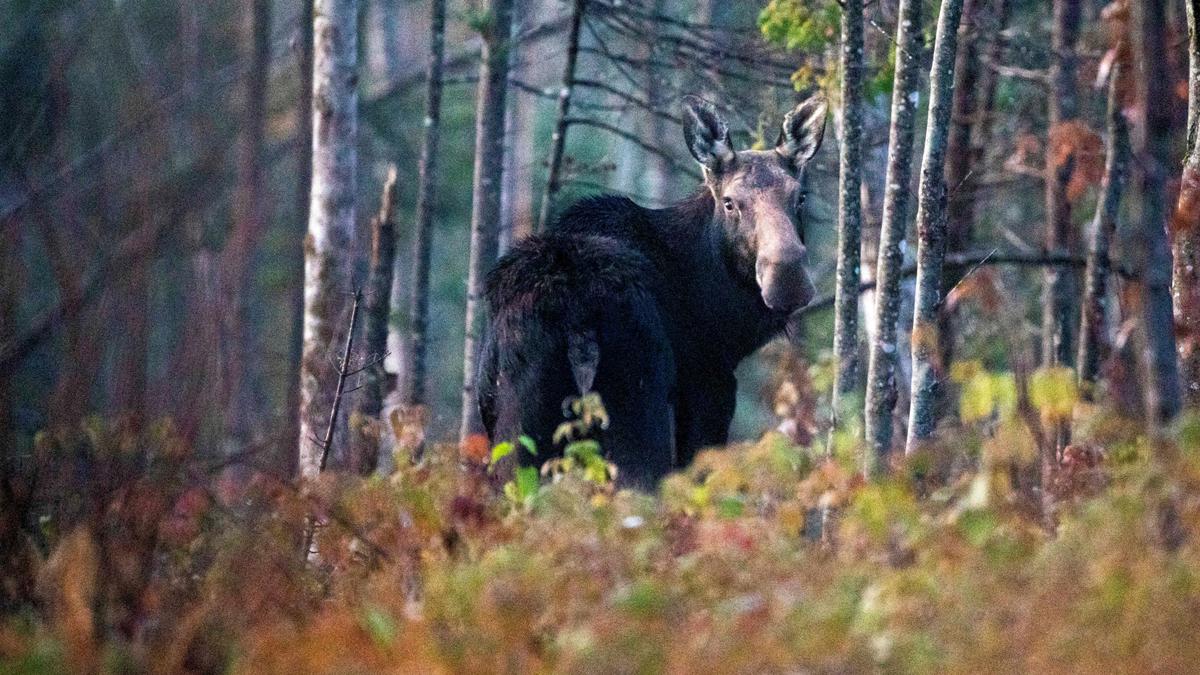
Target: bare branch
x=633, y=138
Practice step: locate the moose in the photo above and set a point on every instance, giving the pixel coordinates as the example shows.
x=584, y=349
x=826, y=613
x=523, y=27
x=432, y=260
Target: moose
x=652, y=309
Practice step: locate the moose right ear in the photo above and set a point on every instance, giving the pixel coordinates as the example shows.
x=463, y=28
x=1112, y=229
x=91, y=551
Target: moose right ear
x=803, y=129
x=707, y=135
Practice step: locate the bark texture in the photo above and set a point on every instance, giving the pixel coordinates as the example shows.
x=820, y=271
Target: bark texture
x=559, y=138
x=1151, y=142
x=287, y=461
x=1093, y=336
x=1193, y=119
x=1185, y=229
x=960, y=156
x=1059, y=291
x=845, y=330
x=239, y=343
x=365, y=441
x=881, y=368
x=485, y=193
x=418, y=302
x=331, y=219
x=974, y=93
x=931, y=231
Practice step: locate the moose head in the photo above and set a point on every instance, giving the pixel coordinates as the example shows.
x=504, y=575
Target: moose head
x=758, y=197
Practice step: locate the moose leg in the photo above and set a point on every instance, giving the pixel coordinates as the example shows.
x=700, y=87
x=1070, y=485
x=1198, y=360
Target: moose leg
x=703, y=411
x=634, y=379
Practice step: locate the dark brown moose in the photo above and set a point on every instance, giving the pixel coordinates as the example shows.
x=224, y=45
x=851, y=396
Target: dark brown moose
x=652, y=308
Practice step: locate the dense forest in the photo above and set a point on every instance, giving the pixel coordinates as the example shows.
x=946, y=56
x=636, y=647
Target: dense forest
x=249, y=336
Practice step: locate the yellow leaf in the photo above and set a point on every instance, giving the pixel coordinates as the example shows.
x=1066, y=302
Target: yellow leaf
x=977, y=400
x=963, y=371
x=1053, y=391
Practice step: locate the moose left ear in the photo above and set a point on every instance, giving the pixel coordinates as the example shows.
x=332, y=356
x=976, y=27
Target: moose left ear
x=803, y=129
x=707, y=135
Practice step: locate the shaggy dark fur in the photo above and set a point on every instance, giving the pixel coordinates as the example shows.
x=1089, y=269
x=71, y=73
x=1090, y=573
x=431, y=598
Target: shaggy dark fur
x=648, y=307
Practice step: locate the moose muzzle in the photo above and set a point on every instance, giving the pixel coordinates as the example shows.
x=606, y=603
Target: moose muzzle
x=784, y=284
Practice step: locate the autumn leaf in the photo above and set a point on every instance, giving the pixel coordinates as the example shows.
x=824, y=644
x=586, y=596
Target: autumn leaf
x=1054, y=392
x=476, y=448
x=1075, y=146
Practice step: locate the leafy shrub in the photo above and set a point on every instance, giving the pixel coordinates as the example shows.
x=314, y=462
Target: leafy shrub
x=760, y=557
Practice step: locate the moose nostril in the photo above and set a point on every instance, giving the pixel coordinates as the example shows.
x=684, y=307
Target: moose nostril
x=784, y=285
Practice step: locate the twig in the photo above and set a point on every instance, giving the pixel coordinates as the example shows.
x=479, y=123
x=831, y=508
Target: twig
x=959, y=260
x=633, y=138
x=327, y=442
x=1037, y=76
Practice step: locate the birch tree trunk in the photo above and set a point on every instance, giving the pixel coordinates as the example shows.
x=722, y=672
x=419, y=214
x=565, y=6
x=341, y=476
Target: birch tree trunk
x=1093, y=341
x=1192, y=10
x=332, y=213
x=418, y=303
x=558, y=140
x=485, y=193
x=288, y=460
x=845, y=330
x=931, y=231
x=1151, y=143
x=881, y=367
x=1059, y=290
x=1185, y=228
x=365, y=441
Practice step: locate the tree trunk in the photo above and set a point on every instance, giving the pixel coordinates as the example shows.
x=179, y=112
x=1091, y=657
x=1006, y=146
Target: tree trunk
x=558, y=140
x=414, y=384
x=931, y=231
x=1185, y=228
x=881, y=368
x=960, y=202
x=238, y=345
x=365, y=441
x=129, y=379
x=961, y=157
x=12, y=285
x=1151, y=145
x=845, y=330
x=656, y=171
x=287, y=460
x=331, y=220
x=516, y=201
x=1093, y=338
x=1059, y=290
x=485, y=193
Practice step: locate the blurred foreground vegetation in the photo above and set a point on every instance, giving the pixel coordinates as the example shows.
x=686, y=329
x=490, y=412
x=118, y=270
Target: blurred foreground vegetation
x=764, y=557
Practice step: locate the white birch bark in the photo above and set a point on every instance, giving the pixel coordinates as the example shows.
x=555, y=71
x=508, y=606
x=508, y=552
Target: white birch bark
x=881, y=370
x=931, y=231
x=331, y=211
x=485, y=194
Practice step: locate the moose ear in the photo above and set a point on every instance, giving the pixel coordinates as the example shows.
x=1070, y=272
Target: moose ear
x=707, y=135
x=803, y=129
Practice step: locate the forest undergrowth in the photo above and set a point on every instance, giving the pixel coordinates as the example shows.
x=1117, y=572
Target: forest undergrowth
x=762, y=557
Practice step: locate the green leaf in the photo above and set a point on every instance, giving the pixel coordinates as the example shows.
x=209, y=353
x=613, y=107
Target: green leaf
x=501, y=451
x=527, y=482
x=730, y=507
x=583, y=450
x=380, y=626
x=977, y=526
x=528, y=443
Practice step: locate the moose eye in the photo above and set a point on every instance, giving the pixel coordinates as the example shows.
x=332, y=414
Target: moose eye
x=728, y=204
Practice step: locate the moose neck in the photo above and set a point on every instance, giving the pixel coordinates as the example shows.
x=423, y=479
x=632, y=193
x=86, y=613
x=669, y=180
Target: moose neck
x=717, y=301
